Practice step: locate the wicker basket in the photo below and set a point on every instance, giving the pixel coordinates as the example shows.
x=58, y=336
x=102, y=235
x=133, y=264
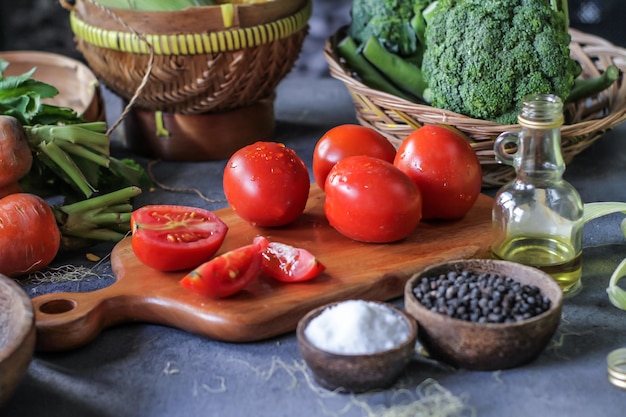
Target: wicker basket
x=199, y=59
x=586, y=120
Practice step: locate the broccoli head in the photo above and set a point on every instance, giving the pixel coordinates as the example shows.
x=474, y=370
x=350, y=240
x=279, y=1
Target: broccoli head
x=483, y=56
x=391, y=22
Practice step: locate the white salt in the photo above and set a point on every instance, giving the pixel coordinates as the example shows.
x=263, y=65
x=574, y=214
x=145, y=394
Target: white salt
x=357, y=327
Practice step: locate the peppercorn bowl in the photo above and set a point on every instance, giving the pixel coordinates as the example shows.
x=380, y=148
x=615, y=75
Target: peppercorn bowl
x=17, y=336
x=373, y=364
x=457, y=326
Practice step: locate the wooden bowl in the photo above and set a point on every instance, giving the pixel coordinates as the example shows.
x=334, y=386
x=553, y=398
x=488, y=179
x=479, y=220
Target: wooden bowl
x=198, y=137
x=17, y=336
x=78, y=87
x=485, y=346
x=356, y=372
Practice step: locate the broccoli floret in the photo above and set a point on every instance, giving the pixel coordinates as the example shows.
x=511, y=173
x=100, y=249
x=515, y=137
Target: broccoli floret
x=389, y=21
x=483, y=56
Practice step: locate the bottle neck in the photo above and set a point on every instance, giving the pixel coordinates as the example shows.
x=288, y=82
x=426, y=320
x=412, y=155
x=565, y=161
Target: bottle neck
x=540, y=153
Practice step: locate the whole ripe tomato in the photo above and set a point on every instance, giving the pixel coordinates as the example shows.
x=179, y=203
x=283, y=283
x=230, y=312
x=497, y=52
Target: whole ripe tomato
x=29, y=234
x=173, y=238
x=348, y=140
x=370, y=200
x=267, y=184
x=444, y=167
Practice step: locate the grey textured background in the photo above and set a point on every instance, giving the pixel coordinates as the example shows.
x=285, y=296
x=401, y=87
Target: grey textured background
x=44, y=25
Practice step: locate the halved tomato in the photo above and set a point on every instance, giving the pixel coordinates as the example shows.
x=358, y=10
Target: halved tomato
x=288, y=263
x=229, y=273
x=173, y=238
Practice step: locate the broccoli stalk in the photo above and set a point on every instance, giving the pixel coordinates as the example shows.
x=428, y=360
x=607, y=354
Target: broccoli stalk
x=561, y=6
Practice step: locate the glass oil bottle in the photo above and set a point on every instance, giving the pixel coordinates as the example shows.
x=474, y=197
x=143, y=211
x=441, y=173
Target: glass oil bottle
x=538, y=216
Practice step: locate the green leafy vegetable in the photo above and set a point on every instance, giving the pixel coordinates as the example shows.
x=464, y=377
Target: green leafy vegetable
x=71, y=156
x=474, y=57
x=393, y=23
x=483, y=56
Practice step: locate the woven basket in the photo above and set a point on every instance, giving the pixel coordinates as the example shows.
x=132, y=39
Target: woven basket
x=586, y=120
x=199, y=59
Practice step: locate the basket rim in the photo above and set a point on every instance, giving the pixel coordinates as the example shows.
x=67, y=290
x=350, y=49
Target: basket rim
x=229, y=40
x=399, y=105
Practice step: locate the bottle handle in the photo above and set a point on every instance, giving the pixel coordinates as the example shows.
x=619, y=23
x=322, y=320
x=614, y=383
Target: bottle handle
x=504, y=155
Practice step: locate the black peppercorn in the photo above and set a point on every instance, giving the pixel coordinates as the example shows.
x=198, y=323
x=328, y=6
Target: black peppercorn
x=484, y=298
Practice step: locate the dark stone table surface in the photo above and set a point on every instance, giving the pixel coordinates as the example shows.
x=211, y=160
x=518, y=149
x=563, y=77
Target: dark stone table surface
x=145, y=370
x=138, y=370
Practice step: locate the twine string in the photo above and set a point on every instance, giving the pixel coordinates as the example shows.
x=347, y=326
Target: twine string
x=144, y=80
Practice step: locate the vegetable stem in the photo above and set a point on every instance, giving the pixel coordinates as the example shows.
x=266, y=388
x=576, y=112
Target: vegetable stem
x=76, y=133
x=587, y=87
x=403, y=74
x=105, y=217
x=592, y=211
x=83, y=152
x=617, y=296
x=67, y=166
x=347, y=49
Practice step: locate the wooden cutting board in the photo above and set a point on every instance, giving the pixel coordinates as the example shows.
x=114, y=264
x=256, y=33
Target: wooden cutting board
x=266, y=308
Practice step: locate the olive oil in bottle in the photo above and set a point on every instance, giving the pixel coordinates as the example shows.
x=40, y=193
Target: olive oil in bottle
x=537, y=216
x=553, y=256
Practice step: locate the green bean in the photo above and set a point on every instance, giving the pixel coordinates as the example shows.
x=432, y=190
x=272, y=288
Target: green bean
x=371, y=77
x=403, y=74
x=584, y=88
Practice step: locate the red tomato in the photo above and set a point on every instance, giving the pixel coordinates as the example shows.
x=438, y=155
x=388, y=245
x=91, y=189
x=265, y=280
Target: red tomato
x=348, y=140
x=445, y=168
x=229, y=273
x=172, y=238
x=29, y=234
x=288, y=263
x=370, y=200
x=266, y=184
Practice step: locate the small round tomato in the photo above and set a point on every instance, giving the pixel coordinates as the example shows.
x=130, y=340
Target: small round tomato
x=348, y=140
x=370, y=200
x=173, y=238
x=267, y=184
x=444, y=167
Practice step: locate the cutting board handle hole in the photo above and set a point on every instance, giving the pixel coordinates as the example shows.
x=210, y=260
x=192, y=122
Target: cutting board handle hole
x=57, y=306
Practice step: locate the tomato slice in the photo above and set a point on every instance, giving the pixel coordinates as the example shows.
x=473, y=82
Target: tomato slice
x=173, y=238
x=229, y=273
x=288, y=263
